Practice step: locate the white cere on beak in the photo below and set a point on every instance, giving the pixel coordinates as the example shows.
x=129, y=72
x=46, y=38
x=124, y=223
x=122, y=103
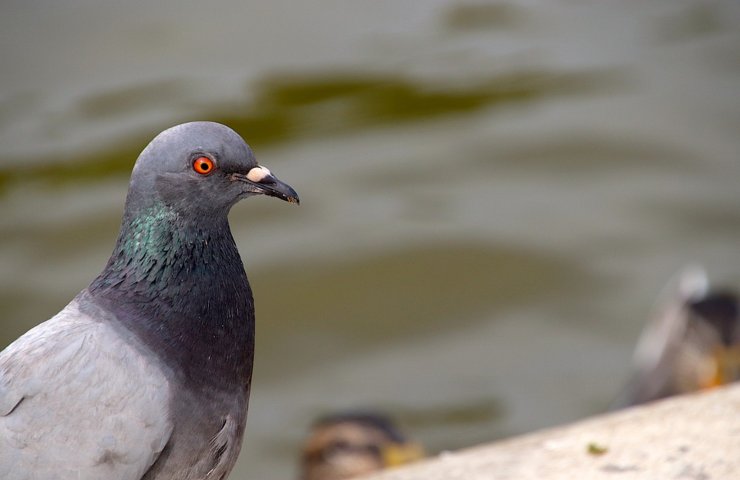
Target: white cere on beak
x=258, y=174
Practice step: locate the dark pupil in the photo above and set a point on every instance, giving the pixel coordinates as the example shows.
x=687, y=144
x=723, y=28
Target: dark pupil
x=203, y=166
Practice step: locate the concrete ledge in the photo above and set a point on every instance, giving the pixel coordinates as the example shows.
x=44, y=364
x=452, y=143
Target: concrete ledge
x=693, y=437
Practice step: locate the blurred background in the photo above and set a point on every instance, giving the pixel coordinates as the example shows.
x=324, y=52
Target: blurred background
x=493, y=193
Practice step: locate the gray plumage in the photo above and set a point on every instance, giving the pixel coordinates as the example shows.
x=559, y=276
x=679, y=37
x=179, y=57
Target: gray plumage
x=146, y=373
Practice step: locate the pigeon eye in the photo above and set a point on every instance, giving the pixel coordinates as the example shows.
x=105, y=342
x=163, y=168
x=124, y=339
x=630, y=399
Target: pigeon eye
x=203, y=165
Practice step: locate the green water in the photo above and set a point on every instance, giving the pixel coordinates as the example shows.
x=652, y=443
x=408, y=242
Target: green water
x=492, y=194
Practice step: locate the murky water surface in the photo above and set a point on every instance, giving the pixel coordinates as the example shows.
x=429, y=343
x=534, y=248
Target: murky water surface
x=493, y=193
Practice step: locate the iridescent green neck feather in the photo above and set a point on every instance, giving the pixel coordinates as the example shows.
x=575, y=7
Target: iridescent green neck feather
x=181, y=287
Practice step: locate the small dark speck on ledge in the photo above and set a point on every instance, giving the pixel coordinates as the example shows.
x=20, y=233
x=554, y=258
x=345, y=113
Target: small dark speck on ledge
x=596, y=449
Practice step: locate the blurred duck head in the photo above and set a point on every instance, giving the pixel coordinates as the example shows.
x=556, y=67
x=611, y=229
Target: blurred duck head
x=691, y=343
x=347, y=445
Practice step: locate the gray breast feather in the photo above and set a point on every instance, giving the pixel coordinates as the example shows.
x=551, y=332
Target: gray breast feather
x=224, y=449
x=79, y=401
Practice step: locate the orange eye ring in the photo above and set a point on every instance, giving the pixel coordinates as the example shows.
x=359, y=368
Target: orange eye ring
x=203, y=165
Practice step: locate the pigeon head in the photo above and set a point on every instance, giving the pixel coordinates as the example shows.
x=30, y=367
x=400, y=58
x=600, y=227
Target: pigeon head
x=175, y=233
x=200, y=169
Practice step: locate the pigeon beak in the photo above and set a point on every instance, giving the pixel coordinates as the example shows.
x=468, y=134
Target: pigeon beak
x=262, y=181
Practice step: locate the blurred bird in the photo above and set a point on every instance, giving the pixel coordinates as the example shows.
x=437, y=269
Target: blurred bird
x=691, y=343
x=347, y=445
x=146, y=373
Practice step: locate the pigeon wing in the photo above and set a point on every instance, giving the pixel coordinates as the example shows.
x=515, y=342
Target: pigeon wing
x=80, y=400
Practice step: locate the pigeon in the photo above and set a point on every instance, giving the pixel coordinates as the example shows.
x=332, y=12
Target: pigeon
x=692, y=342
x=146, y=373
x=349, y=444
